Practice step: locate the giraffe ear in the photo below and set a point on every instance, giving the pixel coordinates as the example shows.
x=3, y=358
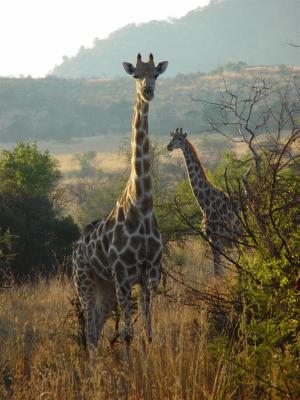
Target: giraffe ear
x=129, y=68
x=161, y=67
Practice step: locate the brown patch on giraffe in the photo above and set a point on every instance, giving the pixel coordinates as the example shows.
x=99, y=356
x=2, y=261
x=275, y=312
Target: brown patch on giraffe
x=89, y=250
x=213, y=216
x=102, y=258
x=87, y=238
x=128, y=257
x=94, y=235
x=207, y=191
x=112, y=256
x=132, y=270
x=145, y=124
x=146, y=146
x=135, y=242
x=146, y=165
x=138, y=167
x=147, y=183
x=119, y=271
x=224, y=208
x=99, y=247
x=147, y=226
x=147, y=204
x=200, y=183
x=105, y=243
x=132, y=220
x=119, y=237
x=154, y=246
x=142, y=253
x=138, y=187
x=140, y=137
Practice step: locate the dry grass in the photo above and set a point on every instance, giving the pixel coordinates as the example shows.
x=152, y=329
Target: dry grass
x=41, y=357
x=106, y=161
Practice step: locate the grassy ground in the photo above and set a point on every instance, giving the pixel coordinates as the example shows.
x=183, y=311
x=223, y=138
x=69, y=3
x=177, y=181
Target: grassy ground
x=41, y=356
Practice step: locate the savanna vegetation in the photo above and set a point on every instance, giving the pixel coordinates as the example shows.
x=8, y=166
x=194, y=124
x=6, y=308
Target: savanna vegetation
x=236, y=336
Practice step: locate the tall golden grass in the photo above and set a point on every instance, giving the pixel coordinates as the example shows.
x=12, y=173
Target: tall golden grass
x=41, y=356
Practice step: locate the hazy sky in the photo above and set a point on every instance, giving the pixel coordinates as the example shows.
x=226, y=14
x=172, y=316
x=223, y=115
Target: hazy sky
x=35, y=34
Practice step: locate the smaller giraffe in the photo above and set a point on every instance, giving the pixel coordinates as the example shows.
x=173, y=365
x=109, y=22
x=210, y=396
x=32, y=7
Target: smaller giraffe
x=221, y=220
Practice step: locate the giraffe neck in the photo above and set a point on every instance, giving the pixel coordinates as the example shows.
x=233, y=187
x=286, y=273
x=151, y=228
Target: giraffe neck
x=140, y=180
x=198, y=179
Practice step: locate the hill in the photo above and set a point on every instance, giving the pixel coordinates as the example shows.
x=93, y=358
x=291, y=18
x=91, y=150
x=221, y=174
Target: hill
x=256, y=32
x=60, y=109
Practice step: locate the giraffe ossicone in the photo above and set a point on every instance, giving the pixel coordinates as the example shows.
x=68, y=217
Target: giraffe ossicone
x=124, y=248
x=220, y=217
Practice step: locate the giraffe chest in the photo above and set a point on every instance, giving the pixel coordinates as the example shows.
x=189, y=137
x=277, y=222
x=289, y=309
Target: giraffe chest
x=137, y=244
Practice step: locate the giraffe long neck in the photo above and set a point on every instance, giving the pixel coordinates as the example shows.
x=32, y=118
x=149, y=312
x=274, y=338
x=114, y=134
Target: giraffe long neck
x=198, y=179
x=140, y=179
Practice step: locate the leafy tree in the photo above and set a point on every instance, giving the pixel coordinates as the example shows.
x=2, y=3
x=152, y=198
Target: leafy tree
x=41, y=235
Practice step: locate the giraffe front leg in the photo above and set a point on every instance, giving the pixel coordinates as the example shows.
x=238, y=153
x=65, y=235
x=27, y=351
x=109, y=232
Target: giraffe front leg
x=124, y=301
x=218, y=269
x=147, y=299
x=149, y=288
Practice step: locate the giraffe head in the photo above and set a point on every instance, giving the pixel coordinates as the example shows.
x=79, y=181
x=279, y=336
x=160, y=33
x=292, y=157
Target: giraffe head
x=178, y=140
x=145, y=74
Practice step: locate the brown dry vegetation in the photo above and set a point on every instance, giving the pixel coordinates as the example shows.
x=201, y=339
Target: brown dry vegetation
x=41, y=357
x=112, y=161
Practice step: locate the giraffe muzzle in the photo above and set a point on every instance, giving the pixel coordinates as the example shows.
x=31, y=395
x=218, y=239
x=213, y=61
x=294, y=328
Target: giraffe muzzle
x=148, y=93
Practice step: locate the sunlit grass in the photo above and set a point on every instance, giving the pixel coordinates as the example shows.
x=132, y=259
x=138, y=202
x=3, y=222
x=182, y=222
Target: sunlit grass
x=41, y=356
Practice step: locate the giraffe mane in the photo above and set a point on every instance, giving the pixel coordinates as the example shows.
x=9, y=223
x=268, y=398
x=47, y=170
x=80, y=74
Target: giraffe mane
x=192, y=147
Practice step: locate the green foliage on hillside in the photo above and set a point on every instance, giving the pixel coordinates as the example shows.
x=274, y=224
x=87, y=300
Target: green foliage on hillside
x=40, y=236
x=58, y=109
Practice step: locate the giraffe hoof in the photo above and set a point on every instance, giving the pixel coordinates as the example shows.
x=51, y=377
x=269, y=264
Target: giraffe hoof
x=127, y=338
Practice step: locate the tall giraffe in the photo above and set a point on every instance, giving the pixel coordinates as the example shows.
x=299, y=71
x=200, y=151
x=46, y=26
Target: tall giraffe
x=221, y=221
x=125, y=248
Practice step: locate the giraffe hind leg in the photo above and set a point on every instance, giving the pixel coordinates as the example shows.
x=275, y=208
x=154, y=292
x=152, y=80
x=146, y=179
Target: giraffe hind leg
x=105, y=302
x=84, y=279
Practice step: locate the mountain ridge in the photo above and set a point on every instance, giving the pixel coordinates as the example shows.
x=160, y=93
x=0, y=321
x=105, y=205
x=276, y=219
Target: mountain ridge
x=255, y=32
